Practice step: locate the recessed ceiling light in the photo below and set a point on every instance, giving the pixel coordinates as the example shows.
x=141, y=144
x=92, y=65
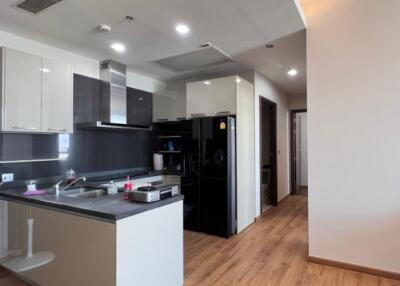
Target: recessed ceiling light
x=182, y=29
x=292, y=72
x=207, y=82
x=105, y=28
x=118, y=47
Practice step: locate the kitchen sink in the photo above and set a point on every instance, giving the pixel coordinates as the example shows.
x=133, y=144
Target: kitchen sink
x=85, y=193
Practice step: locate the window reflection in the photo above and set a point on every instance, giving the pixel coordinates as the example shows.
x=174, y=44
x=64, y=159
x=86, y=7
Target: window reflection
x=63, y=146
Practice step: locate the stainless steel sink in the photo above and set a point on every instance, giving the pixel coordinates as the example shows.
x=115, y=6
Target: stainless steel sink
x=85, y=193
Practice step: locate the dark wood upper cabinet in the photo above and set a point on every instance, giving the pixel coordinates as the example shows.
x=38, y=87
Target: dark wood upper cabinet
x=140, y=107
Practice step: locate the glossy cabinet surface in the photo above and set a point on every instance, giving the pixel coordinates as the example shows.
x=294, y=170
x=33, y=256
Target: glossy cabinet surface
x=72, y=250
x=57, y=97
x=21, y=107
x=212, y=97
x=79, y=247
x=36, y=94
x=139, y=107
x=170, y=106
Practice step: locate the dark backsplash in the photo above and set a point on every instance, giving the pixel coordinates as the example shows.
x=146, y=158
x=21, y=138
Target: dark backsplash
x=87, y=151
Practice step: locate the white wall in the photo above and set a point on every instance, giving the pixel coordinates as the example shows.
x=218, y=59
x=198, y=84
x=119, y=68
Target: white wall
x=353, y=63
x=142, y=82
x=297, y=102
x=301, y=146
x=263, y=87
x=81, y=65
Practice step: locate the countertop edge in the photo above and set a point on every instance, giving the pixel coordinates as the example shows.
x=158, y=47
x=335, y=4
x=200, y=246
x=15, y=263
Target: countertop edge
x=90, y=214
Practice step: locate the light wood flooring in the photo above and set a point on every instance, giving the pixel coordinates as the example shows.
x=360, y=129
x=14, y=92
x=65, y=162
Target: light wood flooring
x=270, y=252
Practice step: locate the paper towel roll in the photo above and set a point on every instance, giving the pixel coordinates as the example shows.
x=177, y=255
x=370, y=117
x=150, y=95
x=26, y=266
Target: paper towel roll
x=158, y=161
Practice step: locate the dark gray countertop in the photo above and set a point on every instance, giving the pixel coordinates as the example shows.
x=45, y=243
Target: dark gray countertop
x=106, y=208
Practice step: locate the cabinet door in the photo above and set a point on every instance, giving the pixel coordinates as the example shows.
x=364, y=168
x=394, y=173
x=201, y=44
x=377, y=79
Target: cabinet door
x=223, y=94
x=212, y=97
x=57, y=98
x=140, y=107
x=22, y=92
x=199, y=99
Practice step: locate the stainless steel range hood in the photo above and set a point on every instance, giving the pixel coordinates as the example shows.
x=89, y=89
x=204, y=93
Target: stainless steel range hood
x=113, y=99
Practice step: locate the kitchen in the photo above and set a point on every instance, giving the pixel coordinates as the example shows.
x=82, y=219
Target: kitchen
x=98, y=194
x=103, y=167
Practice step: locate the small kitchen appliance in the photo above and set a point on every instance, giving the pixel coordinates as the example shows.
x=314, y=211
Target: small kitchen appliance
x=154, y=193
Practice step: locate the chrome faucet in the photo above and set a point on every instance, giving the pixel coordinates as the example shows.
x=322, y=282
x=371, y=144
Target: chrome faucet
x=57, y=186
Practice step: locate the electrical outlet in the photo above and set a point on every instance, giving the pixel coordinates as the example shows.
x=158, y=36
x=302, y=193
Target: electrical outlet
x=7, y=177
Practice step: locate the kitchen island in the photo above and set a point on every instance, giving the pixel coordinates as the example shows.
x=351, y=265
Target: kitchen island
x=93, y=241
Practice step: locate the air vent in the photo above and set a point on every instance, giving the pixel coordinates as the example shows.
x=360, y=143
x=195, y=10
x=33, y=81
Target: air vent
x=36, y=6
x=203, y=57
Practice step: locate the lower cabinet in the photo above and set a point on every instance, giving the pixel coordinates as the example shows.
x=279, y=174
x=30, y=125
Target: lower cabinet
x=82, y=248
x=71, y=250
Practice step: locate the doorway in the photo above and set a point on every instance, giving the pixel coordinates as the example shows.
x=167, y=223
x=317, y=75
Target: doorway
x=268, y=153
x=299, y=152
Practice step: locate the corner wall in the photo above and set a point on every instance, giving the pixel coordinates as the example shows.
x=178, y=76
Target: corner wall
x=353, y=63
x=263, y=87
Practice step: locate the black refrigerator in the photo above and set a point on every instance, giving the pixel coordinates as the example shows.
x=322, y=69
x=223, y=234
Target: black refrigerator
x=209, y=175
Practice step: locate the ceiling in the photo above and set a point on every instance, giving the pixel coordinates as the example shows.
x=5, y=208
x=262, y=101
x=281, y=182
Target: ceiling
x=288, y=52
x=238, y=28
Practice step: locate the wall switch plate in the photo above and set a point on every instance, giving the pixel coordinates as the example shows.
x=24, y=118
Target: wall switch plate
x=7, y=177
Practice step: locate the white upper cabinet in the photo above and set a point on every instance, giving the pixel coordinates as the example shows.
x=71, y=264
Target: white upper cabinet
x=21, y=102
x=169, y=105
x=212, y=97
x=36, y=94
x=57, y=97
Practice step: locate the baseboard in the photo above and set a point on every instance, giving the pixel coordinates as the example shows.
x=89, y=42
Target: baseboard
x=353, y=267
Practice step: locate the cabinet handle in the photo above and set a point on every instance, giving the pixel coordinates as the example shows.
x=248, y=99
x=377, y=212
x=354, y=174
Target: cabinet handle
x=57, y=130
x=198, y=114
x=162, y=119
x=223, y=113
x=24, y=128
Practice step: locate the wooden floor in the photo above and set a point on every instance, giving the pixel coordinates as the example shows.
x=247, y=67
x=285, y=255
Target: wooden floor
x=270, y=252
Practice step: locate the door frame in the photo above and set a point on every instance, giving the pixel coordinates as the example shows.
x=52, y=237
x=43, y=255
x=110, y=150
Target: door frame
x=274, y=153
x=292, y=138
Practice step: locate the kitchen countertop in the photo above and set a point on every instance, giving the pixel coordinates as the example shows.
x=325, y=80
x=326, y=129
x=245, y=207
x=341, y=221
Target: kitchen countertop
x=109, y=208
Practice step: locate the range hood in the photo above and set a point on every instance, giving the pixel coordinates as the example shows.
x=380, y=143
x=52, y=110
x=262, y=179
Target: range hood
x=113, y=100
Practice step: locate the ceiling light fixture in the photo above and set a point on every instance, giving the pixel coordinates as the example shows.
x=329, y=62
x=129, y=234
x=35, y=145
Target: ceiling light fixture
x=238, y=80
x=207, y=82
x=182, y=29
x=118, y=47
x=292, y=72
x=105, y=28
x=46, y=70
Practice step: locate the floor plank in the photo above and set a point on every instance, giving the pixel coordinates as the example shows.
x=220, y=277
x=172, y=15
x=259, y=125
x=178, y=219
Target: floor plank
x=270, y=252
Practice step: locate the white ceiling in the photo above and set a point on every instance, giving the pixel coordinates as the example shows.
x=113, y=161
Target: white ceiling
x=239, y=28
x=288, y=52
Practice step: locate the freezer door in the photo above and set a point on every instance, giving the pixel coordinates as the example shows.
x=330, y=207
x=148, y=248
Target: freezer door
x=216, y=188
x=190, y=181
